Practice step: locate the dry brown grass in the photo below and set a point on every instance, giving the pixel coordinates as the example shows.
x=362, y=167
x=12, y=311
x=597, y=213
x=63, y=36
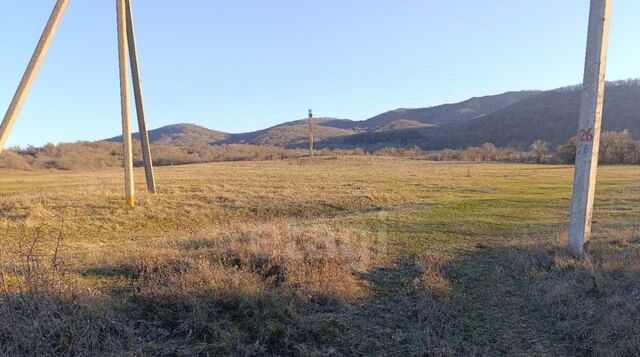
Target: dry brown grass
x=535, y=299
x=348, y=256
x=247, y=289
x=100, y=155
x=253, y=289
x=45, y=312
x=433, y=281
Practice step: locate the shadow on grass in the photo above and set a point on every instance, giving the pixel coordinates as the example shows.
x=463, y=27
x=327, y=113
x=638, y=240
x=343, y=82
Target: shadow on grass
x=504, y=300
x=522, y=299
x=118, y=271
x=536, y=300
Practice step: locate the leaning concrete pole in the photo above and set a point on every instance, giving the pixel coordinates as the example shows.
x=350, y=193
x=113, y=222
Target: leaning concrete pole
x=137, y=92
x=589, y=130
x=32, y=70
x=310, y=122
x=124, y=102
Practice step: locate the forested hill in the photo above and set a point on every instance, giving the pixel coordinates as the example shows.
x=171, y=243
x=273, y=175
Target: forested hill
x=447, y=114
x=512, y=119
x=551, y=116
x=180, y=134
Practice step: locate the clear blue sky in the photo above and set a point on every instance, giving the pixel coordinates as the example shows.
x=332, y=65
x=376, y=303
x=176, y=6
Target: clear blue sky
x=247, y=64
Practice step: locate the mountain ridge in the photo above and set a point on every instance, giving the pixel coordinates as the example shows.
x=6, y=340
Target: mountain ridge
x=510, y=119
x=295, y=132
x=551, y=116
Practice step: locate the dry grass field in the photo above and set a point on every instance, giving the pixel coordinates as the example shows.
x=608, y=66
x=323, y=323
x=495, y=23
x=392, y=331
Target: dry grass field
x=349, y=256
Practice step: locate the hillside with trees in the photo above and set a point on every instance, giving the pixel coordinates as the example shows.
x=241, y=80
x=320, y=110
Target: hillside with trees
x=179, y=134
x=291, y=133
x=450, y=114
x=551, y=116
x=515, y=120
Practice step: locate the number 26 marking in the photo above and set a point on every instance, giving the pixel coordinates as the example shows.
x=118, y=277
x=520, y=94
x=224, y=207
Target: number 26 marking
x=586, y=134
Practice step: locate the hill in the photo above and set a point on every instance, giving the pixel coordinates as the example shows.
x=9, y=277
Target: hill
x=291, y=133
x=334, y=130
x=295, y=133
x=446, y=114
x=513, y=119
x=551, y=116
x=403, y=124
x=180, y=134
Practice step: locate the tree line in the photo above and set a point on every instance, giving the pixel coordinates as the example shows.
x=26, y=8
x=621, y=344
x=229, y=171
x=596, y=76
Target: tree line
x=97, y=155
x=616, y=148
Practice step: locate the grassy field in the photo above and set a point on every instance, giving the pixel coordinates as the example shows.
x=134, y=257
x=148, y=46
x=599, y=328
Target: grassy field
x=349, y=256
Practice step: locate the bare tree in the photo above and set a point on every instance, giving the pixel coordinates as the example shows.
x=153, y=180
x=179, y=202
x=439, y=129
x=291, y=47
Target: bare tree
x=540, y=150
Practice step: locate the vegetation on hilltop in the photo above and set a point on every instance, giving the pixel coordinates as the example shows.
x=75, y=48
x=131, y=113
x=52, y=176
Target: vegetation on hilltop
x=289, y=134
x=180, y=134
x=403, y=124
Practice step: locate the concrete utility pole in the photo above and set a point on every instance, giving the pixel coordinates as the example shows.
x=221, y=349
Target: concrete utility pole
x=124, y=102
x=310, y=121
x=137, y=91
x=126, y=47
x=32, y=70
x=586, y=166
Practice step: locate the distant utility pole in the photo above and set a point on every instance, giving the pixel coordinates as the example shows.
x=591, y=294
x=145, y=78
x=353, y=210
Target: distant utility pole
x=586, y=166
x=310, y=132
x=32, y=70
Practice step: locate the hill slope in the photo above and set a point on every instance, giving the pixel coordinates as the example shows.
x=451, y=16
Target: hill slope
x=403, y=124
x=295, y=133
x=513, y=119
x=291, y=133
x=180, y=134
x=551, y=116
x=448, y=114
x=335, y=130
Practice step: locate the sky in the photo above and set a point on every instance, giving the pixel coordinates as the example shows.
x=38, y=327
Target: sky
x=244, y=65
